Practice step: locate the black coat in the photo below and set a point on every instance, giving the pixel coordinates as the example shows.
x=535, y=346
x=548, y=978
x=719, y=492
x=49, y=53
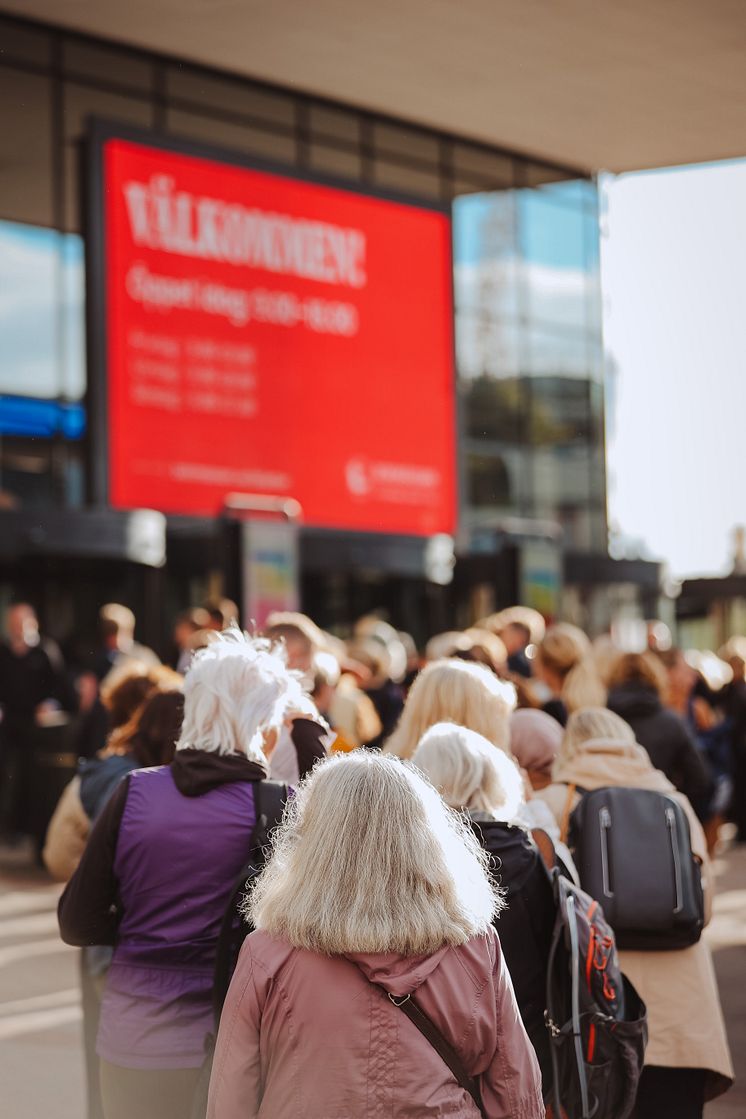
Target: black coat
x=524, y=926
x=666, y=738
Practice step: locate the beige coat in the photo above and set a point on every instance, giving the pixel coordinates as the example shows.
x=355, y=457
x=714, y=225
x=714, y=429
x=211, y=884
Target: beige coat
x=685, y=1018
x=67, y=834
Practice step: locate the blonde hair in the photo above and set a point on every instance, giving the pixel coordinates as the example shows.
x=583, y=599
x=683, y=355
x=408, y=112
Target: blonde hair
x=454, y=691
x=594, y=724
x=237, y=688
x=639, y=668
x=370, y=859
x=567, y=652
x=469, y=772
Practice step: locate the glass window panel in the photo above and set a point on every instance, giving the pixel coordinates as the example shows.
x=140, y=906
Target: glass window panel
x=494, y=409
x=562, y=478
x=472, y=162
x=554, y=355
x=72, y=318
x=27, y=44
x=408, y=179
x=240, y=137
x=107, y=64
x=486, y=276
x=594, y=306
x=230, y=95
x=553, y=252
x=26, y=149
x=336, y=124
x=573, y=192
x=487, y=346
x=561, y=413
x=81, y=102
x=336, y=161
x=493, y=481
x=29, y=265
x=410, y=143
x=26, y=476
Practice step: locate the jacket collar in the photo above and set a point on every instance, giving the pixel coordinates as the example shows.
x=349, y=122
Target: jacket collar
x=197, y=771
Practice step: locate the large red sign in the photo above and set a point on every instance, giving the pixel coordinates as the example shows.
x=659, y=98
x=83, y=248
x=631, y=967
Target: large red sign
x=275, y=336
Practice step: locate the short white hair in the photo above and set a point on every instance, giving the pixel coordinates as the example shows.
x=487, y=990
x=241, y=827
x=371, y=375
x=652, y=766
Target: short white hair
x=370, y=859
x=469, y=771
x=236, y=688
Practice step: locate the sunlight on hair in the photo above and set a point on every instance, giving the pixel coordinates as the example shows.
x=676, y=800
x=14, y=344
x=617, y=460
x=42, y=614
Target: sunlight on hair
x=236, y=688
x=370, y=859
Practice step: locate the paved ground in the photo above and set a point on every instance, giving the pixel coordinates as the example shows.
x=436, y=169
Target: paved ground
x=41, y=1070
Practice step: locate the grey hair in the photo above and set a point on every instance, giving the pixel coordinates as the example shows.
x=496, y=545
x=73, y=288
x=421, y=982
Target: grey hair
x=370, y=859
x=236, y=688
x=469, y=771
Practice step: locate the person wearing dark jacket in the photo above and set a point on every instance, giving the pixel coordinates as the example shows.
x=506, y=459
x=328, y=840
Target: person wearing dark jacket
x=160, y=867
x=33, y=683
x=636, y=685
x=475, y=777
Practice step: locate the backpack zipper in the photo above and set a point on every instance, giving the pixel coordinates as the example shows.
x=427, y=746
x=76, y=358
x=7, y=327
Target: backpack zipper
x=673, y=836
x=604, y=819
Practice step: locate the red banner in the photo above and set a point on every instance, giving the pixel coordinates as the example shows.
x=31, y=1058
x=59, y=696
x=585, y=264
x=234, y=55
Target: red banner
x=275, y=336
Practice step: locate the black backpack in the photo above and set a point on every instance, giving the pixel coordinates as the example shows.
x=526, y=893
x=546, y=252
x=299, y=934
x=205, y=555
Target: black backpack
x=633, y=851
x=270, y=798
x=597, y=1022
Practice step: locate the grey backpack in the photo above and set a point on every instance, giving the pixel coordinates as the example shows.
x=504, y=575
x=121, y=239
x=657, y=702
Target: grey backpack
x=633, y=851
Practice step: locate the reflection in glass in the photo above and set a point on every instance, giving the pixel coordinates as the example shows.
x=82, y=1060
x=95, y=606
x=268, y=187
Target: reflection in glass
x=529, y=355
x=42, y=350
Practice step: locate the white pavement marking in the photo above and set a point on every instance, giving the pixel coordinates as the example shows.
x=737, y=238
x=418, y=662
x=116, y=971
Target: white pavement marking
x=40, y=1002
x=16, y=952
x=28, y=901
x=31, y=925
x=39, y=1020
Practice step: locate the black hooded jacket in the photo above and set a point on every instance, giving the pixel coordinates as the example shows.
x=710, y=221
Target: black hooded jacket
x=524, y=926
x=666, y=738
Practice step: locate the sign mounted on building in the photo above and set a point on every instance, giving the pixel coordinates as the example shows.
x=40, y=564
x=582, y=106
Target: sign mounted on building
x=259, y=333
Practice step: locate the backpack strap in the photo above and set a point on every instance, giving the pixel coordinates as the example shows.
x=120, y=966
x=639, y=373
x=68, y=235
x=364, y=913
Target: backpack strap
x=270, y=798
x=431, y=1033
x=546, y=847
x=565, y=821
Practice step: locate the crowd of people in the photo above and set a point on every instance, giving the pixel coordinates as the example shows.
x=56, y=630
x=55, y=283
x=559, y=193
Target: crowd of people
x=419, y=805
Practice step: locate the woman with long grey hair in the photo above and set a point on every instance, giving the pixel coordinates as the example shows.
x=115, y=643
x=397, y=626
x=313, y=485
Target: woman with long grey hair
x=374, y=909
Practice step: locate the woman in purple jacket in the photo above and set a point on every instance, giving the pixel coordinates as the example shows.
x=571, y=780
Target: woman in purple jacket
x=161, y=864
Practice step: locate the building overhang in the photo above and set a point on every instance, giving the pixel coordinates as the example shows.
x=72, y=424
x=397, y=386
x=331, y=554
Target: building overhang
x=591, y=86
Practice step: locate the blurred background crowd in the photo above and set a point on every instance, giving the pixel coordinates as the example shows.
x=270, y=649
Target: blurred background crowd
x=63, y=710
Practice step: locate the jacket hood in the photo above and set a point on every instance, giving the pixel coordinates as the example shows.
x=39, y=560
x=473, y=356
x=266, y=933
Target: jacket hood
x=511, y=848
x=196, y=772
x=605, y=761
x=397, y=974
x=633, y=700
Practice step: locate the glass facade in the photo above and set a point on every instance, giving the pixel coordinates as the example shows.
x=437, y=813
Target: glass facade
x=525, y=252
x=529, y=355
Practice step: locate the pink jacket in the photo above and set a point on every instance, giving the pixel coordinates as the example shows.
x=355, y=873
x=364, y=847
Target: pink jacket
x=306, y=1036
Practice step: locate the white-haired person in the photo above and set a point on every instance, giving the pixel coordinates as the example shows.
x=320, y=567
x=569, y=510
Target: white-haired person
x=375, y=901
x=687, y=1060
x=455, y=691
x=158, y=871
x=475, y=778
